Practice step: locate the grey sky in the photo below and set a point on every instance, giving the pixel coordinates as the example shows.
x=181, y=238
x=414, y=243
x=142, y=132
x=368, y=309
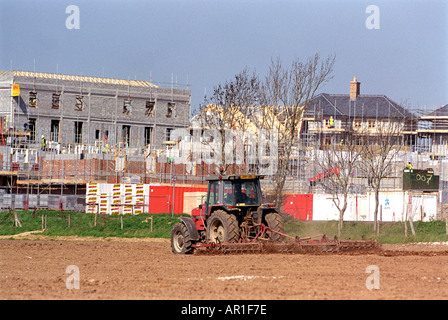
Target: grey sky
x=206, y=42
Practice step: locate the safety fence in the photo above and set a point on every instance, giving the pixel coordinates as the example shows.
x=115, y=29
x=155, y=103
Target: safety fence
x=58, y=173
x=133, y=199
x=49, y=201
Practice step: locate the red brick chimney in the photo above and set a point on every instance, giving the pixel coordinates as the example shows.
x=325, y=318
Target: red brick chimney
x=354, y=88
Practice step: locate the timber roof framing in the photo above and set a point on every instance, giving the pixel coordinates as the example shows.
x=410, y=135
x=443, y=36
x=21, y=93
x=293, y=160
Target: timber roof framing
x=42, y=75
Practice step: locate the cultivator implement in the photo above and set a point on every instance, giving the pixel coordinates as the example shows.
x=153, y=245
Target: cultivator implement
x=311, y=245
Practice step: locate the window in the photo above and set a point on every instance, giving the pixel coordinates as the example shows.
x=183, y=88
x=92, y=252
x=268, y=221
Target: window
x=79, y=103
x=150, y=104
x=213, y=193
x=371, y=124
x=168, y=134
x=148, y=134
x=55, y=100
x=126, y=131
x=246, y=193
x=357, y=124
x=97, y=134
x=78, y=132
x=329, y=123
x=33, y=99
x=228, y=193
x=31, y=130
x=127, y=107
x=54, y=130
x=171, y=110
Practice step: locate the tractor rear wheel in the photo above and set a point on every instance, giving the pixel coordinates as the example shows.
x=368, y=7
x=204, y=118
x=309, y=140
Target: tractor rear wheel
x=275, y=222
x=222, y=227
x=180, y=239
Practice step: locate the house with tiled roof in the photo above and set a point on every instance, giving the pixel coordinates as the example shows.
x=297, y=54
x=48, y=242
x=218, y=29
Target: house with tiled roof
x=328, y=118
x=434, y=128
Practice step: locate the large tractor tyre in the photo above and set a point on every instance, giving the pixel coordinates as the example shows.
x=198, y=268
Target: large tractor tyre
x=275, y=222
x=222, y=227
x=180, y=239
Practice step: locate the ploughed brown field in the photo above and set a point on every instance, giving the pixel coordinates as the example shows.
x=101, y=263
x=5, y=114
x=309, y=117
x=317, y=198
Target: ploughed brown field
x=38, y=267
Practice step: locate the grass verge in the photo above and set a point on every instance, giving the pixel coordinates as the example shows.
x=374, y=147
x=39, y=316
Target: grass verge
x=83, y=224
x=139, y=226
x=390, y=232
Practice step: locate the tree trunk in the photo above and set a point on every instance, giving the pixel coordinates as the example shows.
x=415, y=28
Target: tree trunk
x=340, y=224
x=341, y=216
x=375, y=213
x=280, y=183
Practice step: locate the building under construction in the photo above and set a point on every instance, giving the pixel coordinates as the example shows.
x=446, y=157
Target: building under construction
x=59, y=132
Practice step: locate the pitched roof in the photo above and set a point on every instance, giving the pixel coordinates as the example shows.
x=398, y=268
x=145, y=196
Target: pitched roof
x=366, y=106
x=442, y=111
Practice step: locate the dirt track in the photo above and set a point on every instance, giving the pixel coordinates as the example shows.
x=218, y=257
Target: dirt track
x=146, y=269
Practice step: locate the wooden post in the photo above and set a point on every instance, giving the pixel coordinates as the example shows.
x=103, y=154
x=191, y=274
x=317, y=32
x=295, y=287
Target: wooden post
x=151, y=222
x=121, y=216
x=61, y=209
x=44, y=222
x=69, y=220
x=16, y=220
x=412, y=225
x=96, y=215
x=406, y=215
x=446, y=225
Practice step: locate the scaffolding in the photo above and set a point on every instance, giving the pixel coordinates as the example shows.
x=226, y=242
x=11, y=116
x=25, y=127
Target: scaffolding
x=66, y=169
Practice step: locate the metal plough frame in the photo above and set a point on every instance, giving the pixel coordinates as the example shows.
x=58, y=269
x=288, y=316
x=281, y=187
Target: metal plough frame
x=260, y=244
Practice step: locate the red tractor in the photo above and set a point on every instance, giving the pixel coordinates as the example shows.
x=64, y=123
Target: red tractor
x=233, y=213
x=235, y=219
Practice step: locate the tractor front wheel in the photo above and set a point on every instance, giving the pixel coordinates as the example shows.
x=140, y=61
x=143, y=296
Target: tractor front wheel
x=222, y=227
x=180, y=239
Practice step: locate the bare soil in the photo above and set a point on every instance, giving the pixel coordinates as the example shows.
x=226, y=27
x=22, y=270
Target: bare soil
x=34, y=267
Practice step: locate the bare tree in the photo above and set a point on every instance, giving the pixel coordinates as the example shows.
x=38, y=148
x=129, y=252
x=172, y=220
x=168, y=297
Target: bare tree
x=227, y=113
x=379, y=151
x=284, y=96
x=338, y=162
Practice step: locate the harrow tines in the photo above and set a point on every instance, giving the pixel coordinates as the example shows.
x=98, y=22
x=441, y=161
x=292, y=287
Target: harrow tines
x=249, y=247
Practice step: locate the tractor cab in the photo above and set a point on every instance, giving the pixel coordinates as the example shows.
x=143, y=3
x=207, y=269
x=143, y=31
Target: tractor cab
x=232, y=193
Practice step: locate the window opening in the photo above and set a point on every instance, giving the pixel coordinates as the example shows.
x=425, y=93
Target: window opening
x=33, y=99
x=150, y=104
x=31, y=130
x=54, y=130
x=148, y=133
x=78, y=132
x=126, y=135
x=171, y=110
x=79, y=103
x=168, y=134
x=127, y=106
x=55, y=100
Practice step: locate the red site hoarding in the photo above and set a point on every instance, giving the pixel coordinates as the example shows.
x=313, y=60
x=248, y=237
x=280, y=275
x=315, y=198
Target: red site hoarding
x=160, y=198
x=300, y=206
